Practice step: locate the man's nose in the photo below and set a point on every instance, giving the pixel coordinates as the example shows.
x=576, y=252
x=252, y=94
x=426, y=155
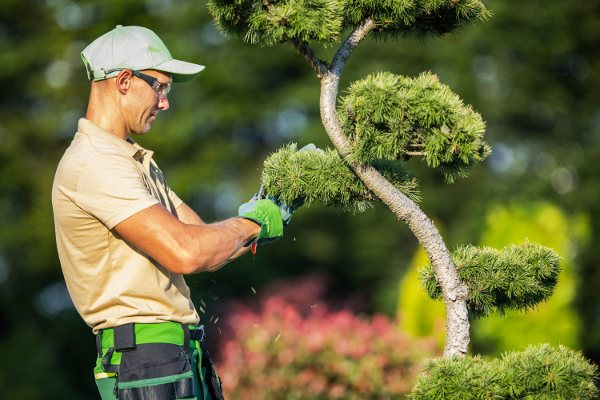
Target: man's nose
x=163, y=103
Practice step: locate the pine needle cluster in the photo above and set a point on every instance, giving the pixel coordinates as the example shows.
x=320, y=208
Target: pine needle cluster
x=539, y=372
x=389, y=116
x=271, y=22
x=424, y=17
x=515, y=277
x=294, y=176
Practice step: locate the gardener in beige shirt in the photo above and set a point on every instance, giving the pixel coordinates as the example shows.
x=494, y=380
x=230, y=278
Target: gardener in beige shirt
x=125, y=239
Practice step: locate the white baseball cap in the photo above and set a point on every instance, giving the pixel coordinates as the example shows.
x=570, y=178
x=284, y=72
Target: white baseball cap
x=136, y=48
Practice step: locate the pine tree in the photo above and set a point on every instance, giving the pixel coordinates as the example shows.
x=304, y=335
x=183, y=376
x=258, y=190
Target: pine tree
x=381, y=122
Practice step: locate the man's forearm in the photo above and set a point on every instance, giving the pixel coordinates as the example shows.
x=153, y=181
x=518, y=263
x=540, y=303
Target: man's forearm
x=186, y=248
x=221, y=242
x=187, y=215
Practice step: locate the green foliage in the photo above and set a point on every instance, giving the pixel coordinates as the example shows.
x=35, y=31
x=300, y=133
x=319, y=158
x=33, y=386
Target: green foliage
x=389, y=116
x=552, y=372
x=387, y=14
x=457, y=378
x=271, y=22
x=543, y=223
x=551, y=227
x=516, y=277
x=539, y=372
x=323, y=176
x=286, y=352
x=268, y=23
x=415, y=17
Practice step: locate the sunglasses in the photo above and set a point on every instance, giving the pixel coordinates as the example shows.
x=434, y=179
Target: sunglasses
x=161, y=89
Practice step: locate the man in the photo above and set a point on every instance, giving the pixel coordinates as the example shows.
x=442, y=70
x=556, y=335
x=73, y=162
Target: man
x=125, y=239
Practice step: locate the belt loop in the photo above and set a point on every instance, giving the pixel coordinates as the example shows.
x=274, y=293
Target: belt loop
x=124, y=337
x=186, y=336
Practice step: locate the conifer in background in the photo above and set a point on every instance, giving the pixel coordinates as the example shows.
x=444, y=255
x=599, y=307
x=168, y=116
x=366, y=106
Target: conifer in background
x=383, y=121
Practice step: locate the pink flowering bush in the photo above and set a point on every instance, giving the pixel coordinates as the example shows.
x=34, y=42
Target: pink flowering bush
x=289, y=352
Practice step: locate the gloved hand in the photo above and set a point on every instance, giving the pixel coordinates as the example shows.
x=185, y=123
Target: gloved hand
x=286, y=210
x=265, y=213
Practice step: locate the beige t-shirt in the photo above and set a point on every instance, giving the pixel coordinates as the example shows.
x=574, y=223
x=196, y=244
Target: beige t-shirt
x=100, y=181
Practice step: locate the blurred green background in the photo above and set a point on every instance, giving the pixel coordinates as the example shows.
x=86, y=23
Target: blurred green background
x=531, y=71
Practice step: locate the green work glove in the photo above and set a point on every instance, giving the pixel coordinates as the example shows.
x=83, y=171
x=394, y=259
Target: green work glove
x=286, y=210
x=265, y=213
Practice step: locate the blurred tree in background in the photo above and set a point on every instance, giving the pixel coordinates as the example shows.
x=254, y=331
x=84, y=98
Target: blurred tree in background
x=531, y=71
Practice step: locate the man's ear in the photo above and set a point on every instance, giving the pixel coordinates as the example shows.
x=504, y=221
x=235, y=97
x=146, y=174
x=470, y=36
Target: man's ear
x=123, y=81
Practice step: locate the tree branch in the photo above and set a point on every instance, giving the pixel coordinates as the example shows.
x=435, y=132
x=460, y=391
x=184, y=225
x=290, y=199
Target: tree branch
x=309, y=56
x=330, y=83
x=454, y=291
x=346, y=49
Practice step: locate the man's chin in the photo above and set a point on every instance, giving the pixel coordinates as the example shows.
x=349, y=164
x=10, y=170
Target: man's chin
x=144, y=130
x=141, y=132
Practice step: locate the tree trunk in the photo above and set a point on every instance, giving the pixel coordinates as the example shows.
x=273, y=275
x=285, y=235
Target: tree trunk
x=454, y=291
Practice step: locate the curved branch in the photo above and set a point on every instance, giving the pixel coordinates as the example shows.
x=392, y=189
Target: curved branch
x=329, y=87
x=454, y=292
x=346, y=49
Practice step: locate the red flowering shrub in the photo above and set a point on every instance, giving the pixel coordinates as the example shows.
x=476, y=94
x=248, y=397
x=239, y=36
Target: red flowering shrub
x=283, y=352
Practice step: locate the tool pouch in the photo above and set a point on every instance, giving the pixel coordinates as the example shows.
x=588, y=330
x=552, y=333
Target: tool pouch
x=135, y=369
x=155, y=371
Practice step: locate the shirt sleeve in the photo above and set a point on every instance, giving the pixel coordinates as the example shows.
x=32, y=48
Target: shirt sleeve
x=112, y=188
x=174, y=198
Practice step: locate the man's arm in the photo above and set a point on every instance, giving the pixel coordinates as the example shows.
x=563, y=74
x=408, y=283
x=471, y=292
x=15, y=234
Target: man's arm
x=187, y=215
x=183, y=247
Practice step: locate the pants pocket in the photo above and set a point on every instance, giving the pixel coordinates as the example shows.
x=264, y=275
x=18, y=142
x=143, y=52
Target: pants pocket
x=155, y=371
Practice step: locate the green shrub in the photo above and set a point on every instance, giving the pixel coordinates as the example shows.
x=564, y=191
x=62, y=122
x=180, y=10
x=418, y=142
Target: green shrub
x=539, y=372
x=516, y=277
x=392, y=117
x=323, y=176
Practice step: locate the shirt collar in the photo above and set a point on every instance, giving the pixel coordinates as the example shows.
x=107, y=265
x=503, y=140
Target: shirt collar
x=129, y=145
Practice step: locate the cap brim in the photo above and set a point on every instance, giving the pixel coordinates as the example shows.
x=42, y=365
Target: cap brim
x=181, y=71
